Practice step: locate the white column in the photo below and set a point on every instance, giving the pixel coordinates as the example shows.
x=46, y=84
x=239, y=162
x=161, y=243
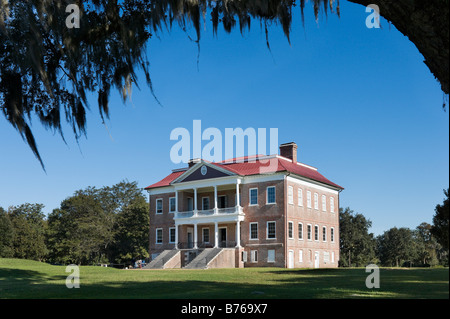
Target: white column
x=237, y=192
x=216, y=235
x=195, y=236
x=215, y=200
x=238, y=234
x=176, y=201
x=176, y=236
x=195, y=201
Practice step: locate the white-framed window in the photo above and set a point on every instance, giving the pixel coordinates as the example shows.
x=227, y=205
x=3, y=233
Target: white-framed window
x=332, y=256
x=332, y=234
x=205, y=234
x=253, y=231
x=291, y=195
x=253, y=195
x=316, y=232
x=159, y=235
x=316, y=201
x=308, y=199
x=332, y=204
x=205, y=203
x=324, y=203
x=326, y=257
x=244, y=256
x=291, y=230
x=159, y=206
x=271, y=230
x=172, y=204
x=171, y=235
x=300, y=197
x=309, y=231
x=270, y=195
x=300, y=231
x=254, y=256
x=300, y=256
x=271, y=255
x=324, y=233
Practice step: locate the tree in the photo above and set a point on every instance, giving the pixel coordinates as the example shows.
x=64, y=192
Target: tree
x=29, y=226
x=440, y=228
x=131, y=233
x=6, y=235
x=47, y=70
x=356, y=244
x=427, y=245
x=426, y=24
x=396, y=246
x=90, y=225
x=113, y=201
x=77, y=231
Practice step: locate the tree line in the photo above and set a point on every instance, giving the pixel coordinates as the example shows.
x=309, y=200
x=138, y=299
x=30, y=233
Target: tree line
x=426, y=245
x=111, y=225
x=94, y=225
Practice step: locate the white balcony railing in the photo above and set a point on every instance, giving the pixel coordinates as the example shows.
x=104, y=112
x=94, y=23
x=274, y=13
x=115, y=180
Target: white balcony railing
x=206, y=212
x=228, y=210
x=237, y=210
x=184, y=214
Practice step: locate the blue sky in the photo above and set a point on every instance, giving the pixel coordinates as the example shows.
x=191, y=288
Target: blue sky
x=360, y=103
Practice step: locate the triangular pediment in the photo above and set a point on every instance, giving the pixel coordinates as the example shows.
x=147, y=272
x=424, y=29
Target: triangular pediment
x=201, y=171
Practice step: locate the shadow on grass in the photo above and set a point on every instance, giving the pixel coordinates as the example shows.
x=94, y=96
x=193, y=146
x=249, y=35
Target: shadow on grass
x=267, y=284
x=402, y=283
x=8, y=275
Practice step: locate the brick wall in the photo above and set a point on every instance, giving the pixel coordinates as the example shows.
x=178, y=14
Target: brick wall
x=261, y=214
x=164, y=221
x=315, y=217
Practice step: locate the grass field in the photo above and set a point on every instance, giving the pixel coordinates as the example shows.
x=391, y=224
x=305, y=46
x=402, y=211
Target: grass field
x=31, y=279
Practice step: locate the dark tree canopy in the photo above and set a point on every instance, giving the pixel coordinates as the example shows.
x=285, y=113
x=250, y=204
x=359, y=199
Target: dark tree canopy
x=440, y=228
x=356, y=244
x=47, y=70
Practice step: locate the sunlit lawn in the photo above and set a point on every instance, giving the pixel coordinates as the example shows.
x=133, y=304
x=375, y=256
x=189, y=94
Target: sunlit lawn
x=31, y=279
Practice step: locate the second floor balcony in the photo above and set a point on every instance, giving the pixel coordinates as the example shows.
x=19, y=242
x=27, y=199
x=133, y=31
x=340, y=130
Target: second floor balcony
x=207, y=204
x=209, y=215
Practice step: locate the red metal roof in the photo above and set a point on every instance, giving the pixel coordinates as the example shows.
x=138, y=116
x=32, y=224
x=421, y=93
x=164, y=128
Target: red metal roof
x=252, y=166
x=166, y=180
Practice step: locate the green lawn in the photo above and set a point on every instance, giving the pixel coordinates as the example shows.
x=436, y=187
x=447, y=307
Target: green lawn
x=31, y=279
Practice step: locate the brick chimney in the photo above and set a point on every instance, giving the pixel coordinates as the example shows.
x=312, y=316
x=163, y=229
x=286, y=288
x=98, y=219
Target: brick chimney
x=193, y=161
x=289, y=150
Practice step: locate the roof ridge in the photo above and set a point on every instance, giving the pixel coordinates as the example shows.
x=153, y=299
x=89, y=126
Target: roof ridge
x=255, y=167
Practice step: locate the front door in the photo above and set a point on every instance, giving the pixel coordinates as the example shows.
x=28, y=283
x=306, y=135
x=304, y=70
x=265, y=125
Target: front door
x=223, y=237
x=190, y=237
x=222, y=201
x=316, y=259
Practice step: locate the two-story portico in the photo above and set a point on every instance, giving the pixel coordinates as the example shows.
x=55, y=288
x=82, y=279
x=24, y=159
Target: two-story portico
x=207, y=212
